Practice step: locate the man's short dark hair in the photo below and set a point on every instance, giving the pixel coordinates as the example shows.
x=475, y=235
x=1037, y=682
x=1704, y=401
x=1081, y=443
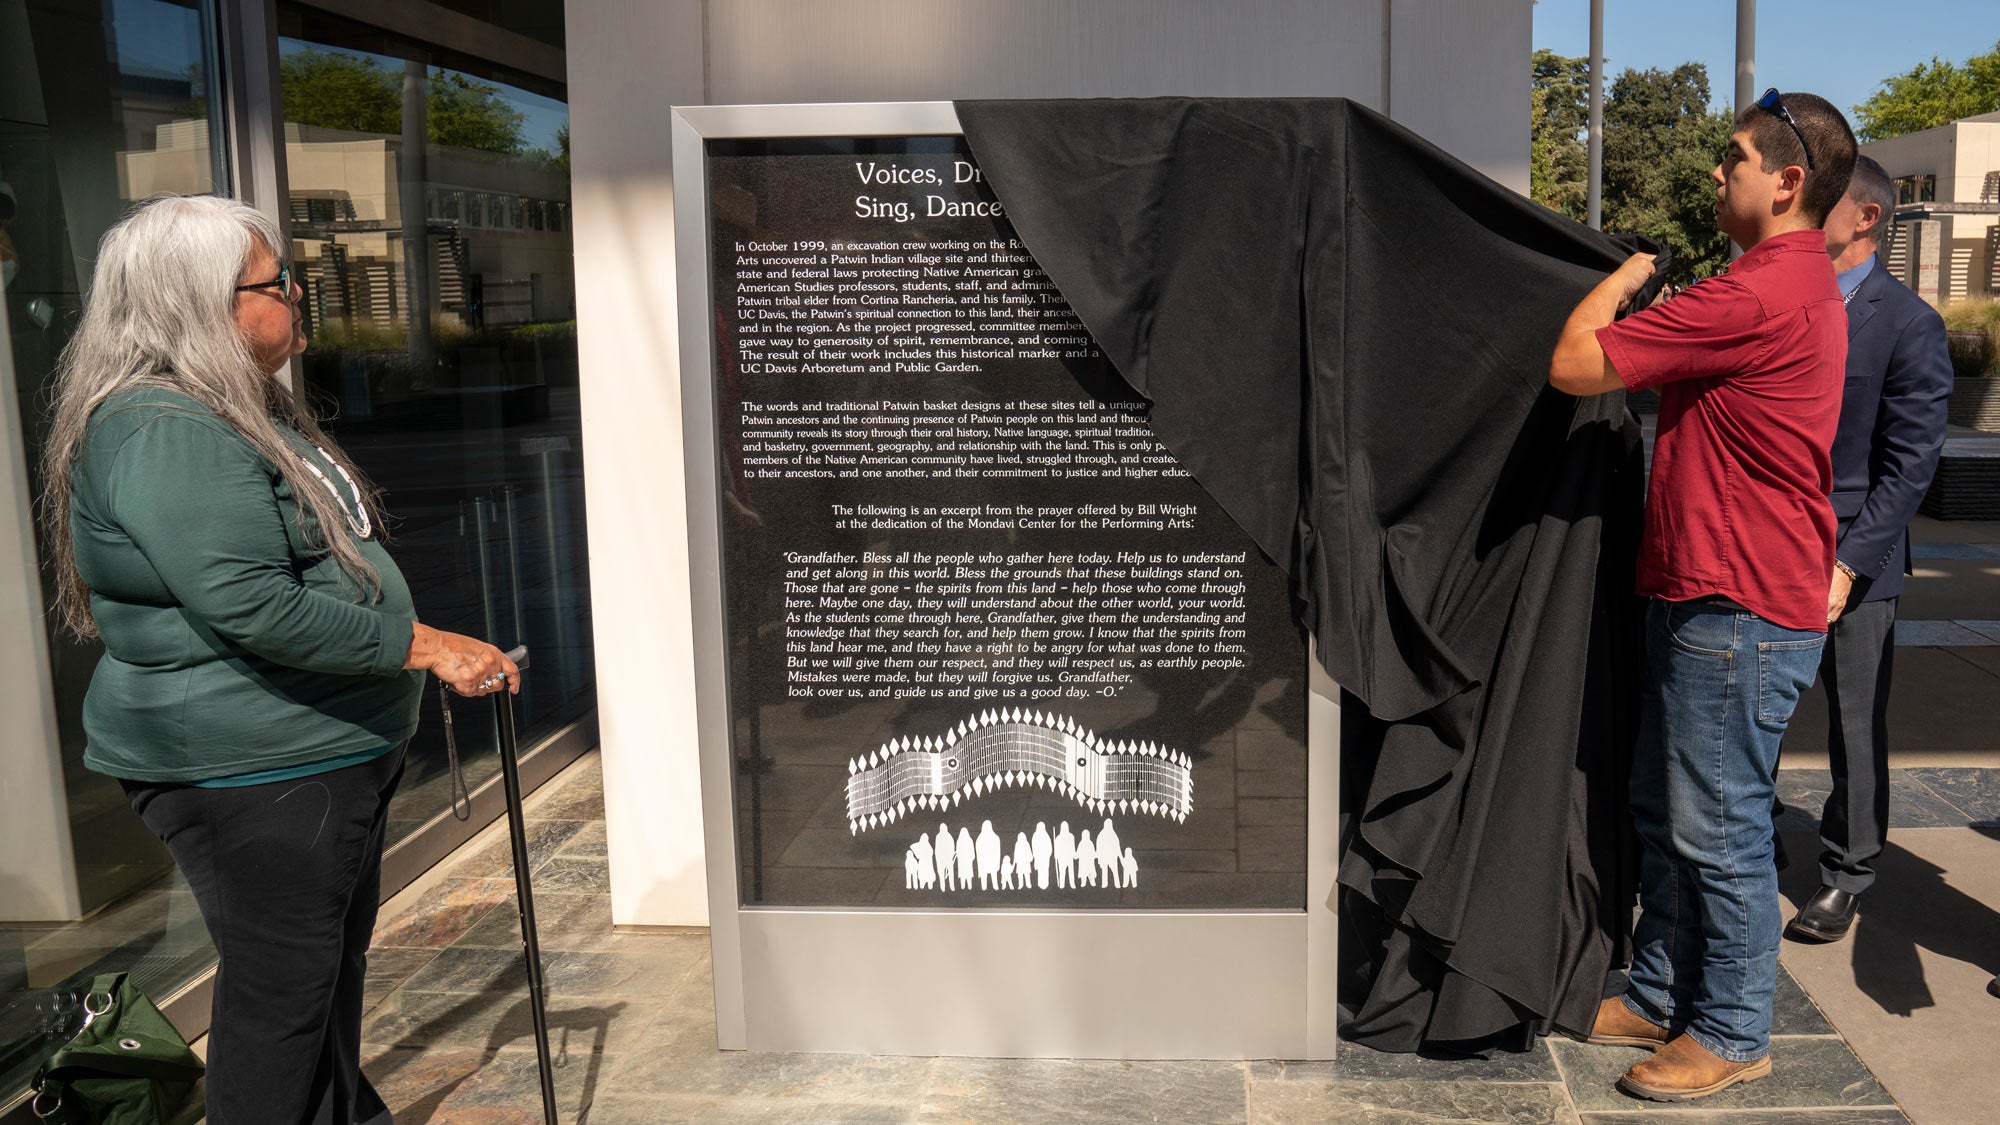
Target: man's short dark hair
x=1871, y=184
x=1824, y=130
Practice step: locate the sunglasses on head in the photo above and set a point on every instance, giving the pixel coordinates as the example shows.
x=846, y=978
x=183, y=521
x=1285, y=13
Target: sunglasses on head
x=1774, y=105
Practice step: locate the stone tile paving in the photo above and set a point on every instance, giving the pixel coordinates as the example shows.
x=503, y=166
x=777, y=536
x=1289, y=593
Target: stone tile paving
x=1947, y=634
x=448, y=1037
x=1919, y=797
x=1912, y=803
x=1975, y=792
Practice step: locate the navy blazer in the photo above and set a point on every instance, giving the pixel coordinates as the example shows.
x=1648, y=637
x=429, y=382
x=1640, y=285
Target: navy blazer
x=1892, y=420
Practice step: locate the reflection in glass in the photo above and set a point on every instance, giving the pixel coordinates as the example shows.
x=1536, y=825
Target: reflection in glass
x=103, y=104
x=442, y=328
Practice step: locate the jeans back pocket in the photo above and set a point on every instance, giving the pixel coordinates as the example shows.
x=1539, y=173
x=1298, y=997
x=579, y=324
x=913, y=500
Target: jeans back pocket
x=1785, y=669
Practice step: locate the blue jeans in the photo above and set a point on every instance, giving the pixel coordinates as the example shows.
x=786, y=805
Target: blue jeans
x=1720, y=686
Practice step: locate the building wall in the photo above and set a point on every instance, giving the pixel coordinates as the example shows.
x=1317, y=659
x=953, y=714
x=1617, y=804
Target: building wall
x=1965, y=158
x=629, y=60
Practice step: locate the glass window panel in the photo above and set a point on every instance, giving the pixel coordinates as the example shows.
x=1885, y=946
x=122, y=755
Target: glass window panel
x=446, y=371
x=101, y=103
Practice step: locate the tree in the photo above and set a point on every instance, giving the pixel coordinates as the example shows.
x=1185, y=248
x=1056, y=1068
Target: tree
x=1661, y=141
x=1558, y=163
x=469, y=114
x=558, y=159
x=336, y=90
x=1931, y=94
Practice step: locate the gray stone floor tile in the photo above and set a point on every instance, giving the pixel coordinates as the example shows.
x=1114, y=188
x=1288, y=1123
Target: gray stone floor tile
x=1759, y=1117
x=1083, y=1092
x=1937, y=634
x=678, y=1059
x=495, y=860
x=701, y=1071
x=562, y=921
x=1912, y=804
x=1975, y=792
x=1984, y=627
x=648, y=973
x=619, y=1109
x=1794, y=1012
x=1408, y=1103
x=456, y=907
x=1355, y=1063
x=494, y=1020
x=389, y=968
x=590, y=840
x=511, y=1080
x=415, y=1082
x=580, y=798
x=1806, y=1072
x=565, y=875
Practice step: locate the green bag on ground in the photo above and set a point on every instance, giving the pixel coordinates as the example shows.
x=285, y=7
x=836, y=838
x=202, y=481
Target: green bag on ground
x=128, y=1066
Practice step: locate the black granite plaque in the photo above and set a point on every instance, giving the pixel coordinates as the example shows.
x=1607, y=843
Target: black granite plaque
x=990, y=646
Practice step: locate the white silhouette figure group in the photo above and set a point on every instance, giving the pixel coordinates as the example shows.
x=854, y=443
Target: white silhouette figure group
x=949, y=863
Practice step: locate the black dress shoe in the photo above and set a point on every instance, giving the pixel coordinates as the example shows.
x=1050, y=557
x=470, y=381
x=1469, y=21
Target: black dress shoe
x=1993, y=987
x=1826, y=916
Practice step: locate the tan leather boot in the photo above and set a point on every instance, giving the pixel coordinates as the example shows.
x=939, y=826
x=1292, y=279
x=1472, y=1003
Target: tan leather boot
x=1619, y=1026
x=1684, y=1070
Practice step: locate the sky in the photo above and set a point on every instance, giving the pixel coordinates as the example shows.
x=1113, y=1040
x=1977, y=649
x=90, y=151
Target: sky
x=1838, y=49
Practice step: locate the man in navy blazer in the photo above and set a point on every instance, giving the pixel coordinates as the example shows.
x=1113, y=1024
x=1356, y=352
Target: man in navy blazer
x=1892, y=425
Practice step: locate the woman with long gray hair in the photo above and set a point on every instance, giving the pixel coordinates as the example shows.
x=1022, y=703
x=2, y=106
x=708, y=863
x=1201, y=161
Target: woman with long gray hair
x=262, y=658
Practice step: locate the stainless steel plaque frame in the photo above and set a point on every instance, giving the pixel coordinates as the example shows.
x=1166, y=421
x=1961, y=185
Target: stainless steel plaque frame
x=1083, y=984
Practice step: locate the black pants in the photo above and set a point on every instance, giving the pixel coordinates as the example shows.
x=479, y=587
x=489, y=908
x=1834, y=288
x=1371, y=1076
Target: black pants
x=1860, y=649
x=287, y=876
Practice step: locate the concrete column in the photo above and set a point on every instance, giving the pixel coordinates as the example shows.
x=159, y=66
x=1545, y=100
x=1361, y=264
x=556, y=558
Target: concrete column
x=1595, y=198
x=628, y=61
x=1746, y=70
x=1746, y=53
x=1926, y=258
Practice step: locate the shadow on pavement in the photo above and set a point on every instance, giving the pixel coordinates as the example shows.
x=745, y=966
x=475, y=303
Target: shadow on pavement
x=1912, y=906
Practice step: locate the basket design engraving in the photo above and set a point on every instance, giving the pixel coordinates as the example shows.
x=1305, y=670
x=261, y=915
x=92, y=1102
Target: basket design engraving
x=1017, y=748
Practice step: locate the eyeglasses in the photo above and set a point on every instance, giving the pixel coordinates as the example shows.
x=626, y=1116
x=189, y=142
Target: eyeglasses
x=1774, y=105
x=282, y=283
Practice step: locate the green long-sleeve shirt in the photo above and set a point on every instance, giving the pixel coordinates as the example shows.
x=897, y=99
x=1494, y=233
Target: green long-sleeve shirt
x=230, y=645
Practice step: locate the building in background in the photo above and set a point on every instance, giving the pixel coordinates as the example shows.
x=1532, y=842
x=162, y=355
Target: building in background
x=1946, y=240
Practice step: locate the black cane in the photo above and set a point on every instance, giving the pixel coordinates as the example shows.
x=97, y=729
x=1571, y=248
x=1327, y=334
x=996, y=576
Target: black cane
x=517, y=831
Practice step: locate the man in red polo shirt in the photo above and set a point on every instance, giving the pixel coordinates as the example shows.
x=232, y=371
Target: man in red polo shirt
x=1737, y=557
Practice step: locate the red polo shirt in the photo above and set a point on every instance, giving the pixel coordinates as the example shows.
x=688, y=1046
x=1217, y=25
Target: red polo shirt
x=1749, y=366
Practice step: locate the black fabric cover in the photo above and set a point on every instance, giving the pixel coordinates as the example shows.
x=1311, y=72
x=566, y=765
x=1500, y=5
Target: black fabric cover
x=1345, y=334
